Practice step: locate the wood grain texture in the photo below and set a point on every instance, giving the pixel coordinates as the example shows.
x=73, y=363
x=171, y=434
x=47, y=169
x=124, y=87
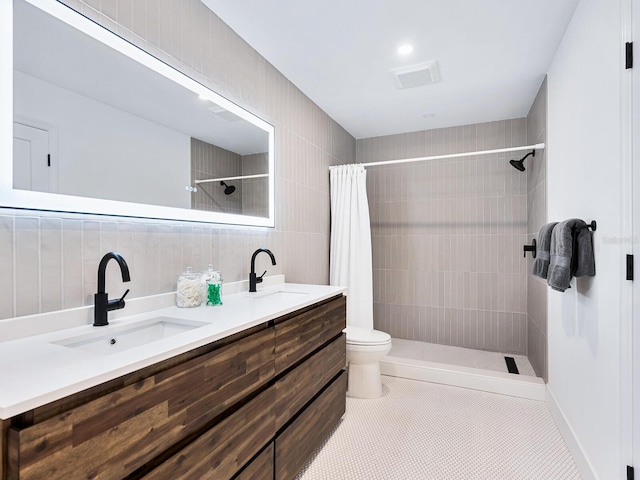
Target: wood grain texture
x=301, y=335
x=115, y=434
x=60, y=406
x=4, y=454
x=261, y=468
x=221, y=451
x=300, y=311
x=296, y=444
x=297, y=387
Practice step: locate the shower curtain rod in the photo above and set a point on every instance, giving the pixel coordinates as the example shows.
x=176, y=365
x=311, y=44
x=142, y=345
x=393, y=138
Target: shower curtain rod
x=537, y=146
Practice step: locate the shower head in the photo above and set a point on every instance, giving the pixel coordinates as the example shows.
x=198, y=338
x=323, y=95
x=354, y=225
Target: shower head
x=519, y=164
x=229, y=189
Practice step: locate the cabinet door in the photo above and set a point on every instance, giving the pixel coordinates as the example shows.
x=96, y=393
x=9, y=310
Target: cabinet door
x=221, y=451
x=299, y=336
x=296, y=444
x=114, y=435
x=297, y=387
x=260, y=468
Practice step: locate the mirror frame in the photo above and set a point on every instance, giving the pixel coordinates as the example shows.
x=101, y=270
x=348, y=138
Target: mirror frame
x=32, y=200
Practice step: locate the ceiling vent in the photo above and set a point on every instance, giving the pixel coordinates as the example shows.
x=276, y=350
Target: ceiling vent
x=223, y=113
x=417, y=75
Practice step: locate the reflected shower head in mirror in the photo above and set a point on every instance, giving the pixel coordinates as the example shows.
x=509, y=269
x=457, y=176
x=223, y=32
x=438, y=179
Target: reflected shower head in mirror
x=519, y=164
x=228, y=189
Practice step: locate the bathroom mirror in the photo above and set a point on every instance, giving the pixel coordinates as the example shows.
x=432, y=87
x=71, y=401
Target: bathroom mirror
x=100, y=126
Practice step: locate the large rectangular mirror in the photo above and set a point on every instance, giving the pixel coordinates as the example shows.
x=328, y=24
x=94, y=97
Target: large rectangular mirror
x=100, y=126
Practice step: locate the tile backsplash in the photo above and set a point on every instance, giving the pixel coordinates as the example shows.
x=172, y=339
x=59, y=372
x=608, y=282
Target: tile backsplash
x=51, y=259
x=448, y=235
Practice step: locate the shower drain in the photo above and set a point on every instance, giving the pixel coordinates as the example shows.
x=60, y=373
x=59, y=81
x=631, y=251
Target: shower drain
x=511, y=365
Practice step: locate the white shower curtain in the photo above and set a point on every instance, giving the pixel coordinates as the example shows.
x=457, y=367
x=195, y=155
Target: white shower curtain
x=350, y=256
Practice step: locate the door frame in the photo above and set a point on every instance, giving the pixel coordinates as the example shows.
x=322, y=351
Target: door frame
x=630, y=242
x=54, y=173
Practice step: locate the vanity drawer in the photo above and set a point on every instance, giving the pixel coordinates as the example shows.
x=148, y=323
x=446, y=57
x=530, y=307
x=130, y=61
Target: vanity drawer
x=299, y=386
x=260, y=468
x=221, y=451
x=297, y=337
x=296, y=444
x=114, y=435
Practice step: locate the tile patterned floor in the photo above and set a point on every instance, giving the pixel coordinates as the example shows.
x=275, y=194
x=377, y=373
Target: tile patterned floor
x=425, y=431
x=465, y=357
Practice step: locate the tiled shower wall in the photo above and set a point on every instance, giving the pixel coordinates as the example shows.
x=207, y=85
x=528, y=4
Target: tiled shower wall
x=448, y=235
x=211, y=161
x=50, y=260
x=537, y=216
x=255, y=191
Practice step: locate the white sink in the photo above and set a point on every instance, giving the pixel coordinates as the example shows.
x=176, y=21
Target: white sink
x=114, y=339
x=275, y=295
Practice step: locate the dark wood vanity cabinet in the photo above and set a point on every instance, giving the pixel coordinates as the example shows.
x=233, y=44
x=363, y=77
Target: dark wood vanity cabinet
x=255, y=405
x=261, y=467
x=296, y=444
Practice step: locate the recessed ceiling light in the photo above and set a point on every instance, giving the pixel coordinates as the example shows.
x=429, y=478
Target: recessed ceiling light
x=428, y=115
x=405, y=49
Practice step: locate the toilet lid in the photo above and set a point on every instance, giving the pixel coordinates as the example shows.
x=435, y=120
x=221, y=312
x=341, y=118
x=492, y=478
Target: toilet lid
x=366, y=336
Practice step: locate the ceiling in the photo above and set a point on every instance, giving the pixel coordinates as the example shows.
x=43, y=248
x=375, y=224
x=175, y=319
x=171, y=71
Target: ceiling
x=50, y=50
x=492, y=54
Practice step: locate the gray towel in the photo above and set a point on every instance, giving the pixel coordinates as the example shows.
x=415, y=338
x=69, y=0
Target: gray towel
x=541, y=262
x=570, y=254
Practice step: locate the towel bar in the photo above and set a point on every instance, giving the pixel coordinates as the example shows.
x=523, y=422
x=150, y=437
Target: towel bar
x=591, y=225
x=530, y=248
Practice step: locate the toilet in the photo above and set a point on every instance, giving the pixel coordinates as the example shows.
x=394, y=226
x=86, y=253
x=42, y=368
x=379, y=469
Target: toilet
x=365, y=349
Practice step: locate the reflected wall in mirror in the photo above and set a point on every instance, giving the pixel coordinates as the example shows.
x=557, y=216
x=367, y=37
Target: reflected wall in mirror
x=227, y=181
x=99, y=126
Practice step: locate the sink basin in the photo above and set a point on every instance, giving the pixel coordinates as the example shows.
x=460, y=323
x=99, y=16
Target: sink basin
x=115, y=339
x=276, y=295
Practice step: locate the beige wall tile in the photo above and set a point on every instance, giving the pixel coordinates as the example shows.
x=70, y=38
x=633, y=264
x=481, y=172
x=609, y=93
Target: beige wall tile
x=536, y=305
x=537, y=349
x=72, y=263
x=27, y=265
x=91, y=254
x=448, y=231
x=51, y=263
x=188, y=36
x=7, y=284
x=307, y=136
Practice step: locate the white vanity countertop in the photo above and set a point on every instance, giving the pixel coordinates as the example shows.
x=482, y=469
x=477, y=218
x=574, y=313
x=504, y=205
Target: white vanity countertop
x=34, y=371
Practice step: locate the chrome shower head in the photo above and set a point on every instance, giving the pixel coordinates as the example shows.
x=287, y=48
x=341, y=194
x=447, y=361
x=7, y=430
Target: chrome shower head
x=519, y=164
x=229, y=189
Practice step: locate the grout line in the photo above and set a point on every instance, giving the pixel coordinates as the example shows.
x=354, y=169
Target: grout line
x=15, y=262
x=39, y=219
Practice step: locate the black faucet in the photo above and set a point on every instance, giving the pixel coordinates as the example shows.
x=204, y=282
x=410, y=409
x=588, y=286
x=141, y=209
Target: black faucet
x=101, y=299
x=253, y=279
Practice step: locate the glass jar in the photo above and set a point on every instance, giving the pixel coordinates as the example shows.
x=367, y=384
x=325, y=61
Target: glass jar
x=203, y=282
x=188, y=291
x=214, y=289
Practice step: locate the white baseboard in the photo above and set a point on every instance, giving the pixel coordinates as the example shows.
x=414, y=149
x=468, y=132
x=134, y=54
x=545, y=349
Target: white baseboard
x=521, y=386
x=582, y=462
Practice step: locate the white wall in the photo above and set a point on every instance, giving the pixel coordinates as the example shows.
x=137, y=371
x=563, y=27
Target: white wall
x=105, y=152
x=584, y=158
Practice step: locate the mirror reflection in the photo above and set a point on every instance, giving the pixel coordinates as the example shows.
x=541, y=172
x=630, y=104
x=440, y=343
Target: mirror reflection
x=92, y=122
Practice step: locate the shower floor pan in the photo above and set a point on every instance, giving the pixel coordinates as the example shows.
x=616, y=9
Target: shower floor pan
x=462, y=367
